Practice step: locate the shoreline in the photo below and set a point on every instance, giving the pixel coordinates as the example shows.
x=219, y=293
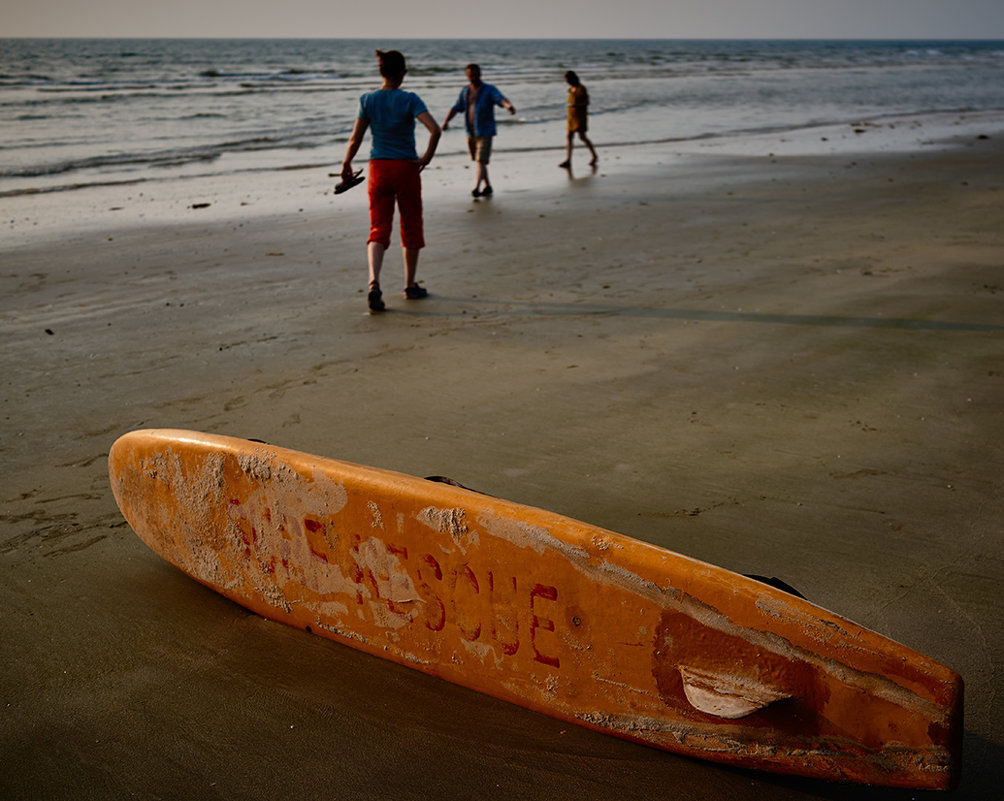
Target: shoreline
x=248, y=195
x=764, y=355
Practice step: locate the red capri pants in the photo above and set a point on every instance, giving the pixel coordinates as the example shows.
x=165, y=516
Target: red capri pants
x=400, y=180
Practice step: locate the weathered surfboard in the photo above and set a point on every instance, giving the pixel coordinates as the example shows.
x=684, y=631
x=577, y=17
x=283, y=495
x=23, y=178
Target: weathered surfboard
x=543, y=611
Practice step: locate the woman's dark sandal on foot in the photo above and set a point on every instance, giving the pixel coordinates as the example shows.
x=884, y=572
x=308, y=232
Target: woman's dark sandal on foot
x=415, y=292
x=375, y=298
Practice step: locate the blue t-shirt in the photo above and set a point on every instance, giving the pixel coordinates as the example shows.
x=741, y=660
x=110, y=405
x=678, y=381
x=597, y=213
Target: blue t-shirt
x=391, y=114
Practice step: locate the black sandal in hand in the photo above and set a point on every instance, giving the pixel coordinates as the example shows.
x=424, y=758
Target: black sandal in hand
x=347, y=183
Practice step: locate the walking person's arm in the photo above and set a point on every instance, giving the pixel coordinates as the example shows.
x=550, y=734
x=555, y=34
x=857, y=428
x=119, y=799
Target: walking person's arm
x=355, y=142
x=449, y=116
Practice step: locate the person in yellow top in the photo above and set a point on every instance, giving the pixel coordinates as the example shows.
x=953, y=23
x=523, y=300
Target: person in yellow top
x=578, y=118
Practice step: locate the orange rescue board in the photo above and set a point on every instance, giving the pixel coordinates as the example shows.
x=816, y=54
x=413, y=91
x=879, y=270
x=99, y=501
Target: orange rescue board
x=543, y=611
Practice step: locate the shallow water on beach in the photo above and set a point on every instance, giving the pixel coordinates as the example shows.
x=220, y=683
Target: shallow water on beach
x=77, y=112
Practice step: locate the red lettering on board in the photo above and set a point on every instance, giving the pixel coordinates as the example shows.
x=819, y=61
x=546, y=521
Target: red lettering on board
x=316, y=536
x=468, y=631
x=511, y=647
x=392, y=605
x=434, y=572
x=536, y=623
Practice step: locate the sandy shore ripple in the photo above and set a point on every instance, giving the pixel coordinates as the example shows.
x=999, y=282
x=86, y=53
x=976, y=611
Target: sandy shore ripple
x=782, y=354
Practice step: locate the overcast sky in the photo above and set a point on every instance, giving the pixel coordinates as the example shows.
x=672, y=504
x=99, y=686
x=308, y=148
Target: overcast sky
x=892, y=19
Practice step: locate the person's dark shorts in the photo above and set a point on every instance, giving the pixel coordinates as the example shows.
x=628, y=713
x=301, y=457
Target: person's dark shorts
x=480, y=148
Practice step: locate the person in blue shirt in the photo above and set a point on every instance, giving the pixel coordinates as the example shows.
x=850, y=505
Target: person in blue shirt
x=477, y=103
x=395, y=171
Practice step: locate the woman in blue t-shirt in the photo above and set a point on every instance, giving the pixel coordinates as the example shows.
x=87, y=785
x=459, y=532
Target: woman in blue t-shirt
x=394, y=171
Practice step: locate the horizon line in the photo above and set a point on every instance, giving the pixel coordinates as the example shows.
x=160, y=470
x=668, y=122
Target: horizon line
x=113, y=37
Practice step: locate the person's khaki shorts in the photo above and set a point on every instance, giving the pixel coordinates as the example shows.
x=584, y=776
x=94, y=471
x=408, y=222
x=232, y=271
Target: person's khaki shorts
x=480, y=148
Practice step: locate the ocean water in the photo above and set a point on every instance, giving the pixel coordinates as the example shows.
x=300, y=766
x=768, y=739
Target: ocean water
x=77, y=112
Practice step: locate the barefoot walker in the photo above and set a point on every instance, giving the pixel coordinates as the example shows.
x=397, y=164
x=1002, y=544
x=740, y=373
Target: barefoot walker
x=394, y=171
x=578, y=118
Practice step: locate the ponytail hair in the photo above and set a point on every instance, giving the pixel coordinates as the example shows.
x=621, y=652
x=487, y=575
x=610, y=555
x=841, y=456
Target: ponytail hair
x=391, y=63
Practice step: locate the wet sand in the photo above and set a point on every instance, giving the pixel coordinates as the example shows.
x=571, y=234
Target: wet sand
x=783, y=357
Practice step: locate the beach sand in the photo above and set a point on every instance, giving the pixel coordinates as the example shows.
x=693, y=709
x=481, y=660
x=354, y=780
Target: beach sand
x=779, y=355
